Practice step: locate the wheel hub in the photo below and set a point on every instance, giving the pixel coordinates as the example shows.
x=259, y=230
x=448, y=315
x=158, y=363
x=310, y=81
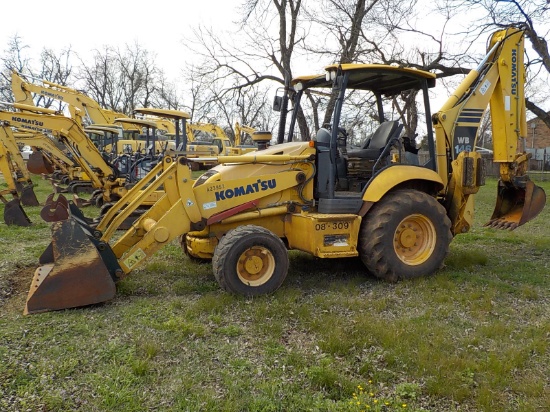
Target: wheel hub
x=255, y=266
x=415, y=239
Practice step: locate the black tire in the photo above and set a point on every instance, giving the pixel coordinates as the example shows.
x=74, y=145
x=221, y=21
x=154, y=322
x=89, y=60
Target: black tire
x=405, y=235
x=250, y=260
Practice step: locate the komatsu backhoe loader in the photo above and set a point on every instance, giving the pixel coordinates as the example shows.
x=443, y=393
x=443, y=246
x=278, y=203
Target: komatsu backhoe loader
x=246, y=212
x=18, y=180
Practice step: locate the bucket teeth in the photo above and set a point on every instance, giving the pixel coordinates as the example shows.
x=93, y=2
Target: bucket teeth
x=516, y=205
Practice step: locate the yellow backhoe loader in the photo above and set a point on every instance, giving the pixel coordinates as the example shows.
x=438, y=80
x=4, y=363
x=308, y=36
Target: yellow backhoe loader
x=18, y=180
x=246, y=212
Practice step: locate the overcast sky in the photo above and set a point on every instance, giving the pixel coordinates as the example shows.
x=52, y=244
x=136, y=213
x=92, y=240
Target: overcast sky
x=159, y=26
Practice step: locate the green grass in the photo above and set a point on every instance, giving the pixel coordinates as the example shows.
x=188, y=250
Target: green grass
x=474, y=337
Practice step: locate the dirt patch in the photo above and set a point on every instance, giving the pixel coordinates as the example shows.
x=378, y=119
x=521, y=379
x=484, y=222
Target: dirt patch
x=16, y=283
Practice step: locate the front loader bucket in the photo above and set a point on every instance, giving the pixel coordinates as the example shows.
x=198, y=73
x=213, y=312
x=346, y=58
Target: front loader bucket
x=38, y=164
x=55, y=210
x=28, y=197
x=73, y=272
x=14, y=214
x=516, y=205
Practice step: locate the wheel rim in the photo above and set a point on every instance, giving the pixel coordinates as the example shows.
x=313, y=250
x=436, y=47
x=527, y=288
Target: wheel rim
x=415, y=239
x=255, y=266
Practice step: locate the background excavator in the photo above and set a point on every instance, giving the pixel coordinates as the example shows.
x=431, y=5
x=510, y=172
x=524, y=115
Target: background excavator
x=82, y=108
x=246, y=212
x=18, y=180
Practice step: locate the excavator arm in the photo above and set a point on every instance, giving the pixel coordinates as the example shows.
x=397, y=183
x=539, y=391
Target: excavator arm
x=498, y=82
x=47, y=148
x=67, y=130
x=23, y=93
x=18, y=179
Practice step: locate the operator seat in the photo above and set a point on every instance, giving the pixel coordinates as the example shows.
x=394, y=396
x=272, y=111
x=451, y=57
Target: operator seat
x=373, y=147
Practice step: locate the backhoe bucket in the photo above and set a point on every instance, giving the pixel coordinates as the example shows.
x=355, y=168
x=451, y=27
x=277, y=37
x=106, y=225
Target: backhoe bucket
x=516, y=205
x=28, y=197
x=73, y=272
x=14, y=214
x=38, y=164
x=55, y=210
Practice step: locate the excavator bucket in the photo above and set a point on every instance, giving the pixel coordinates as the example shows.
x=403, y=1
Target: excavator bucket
x=516, y=205
x=55, y=210
x=38, y=164
x=14, y=213
x=28, y=197
x=72, y=273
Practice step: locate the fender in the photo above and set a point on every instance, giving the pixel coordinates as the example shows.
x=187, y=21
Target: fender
x=392, y=176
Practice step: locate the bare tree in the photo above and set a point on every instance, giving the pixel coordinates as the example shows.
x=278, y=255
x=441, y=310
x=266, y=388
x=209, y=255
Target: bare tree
x=53, y=66
x=531, y=16
x=267, y=37
x=14, y=58
x=123, y=80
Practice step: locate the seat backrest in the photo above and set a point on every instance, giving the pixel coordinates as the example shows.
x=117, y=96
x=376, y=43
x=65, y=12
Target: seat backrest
x=381, y=136
x=323, y=137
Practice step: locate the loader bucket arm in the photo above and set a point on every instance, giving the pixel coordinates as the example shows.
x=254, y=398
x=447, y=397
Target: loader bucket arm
x=78, y=249
x=80, y=267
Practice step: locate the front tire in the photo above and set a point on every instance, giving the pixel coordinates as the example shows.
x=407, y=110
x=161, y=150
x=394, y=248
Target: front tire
x=405, y=235
x=250, y=260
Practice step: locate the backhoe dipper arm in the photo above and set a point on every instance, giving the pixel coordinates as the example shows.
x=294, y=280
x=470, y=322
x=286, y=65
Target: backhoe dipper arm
x=499, y=81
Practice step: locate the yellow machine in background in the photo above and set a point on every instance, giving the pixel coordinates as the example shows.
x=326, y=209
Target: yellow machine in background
x=18, y=180
x=88, y=108
x=246, y=212
x=47, y=158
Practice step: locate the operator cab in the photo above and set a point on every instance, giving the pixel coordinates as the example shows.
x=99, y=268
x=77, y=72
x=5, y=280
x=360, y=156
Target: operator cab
x=365, y=135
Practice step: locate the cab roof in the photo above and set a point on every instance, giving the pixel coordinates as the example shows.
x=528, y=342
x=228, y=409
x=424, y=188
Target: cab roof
x=140, y=122
x=173, y=114
x=95, y=128
x=379, y=78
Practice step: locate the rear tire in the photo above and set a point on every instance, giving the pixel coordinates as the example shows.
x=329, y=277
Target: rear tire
x=250, y=260
x=405, y=235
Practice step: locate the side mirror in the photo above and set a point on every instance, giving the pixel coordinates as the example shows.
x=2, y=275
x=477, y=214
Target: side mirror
x=277, y=103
